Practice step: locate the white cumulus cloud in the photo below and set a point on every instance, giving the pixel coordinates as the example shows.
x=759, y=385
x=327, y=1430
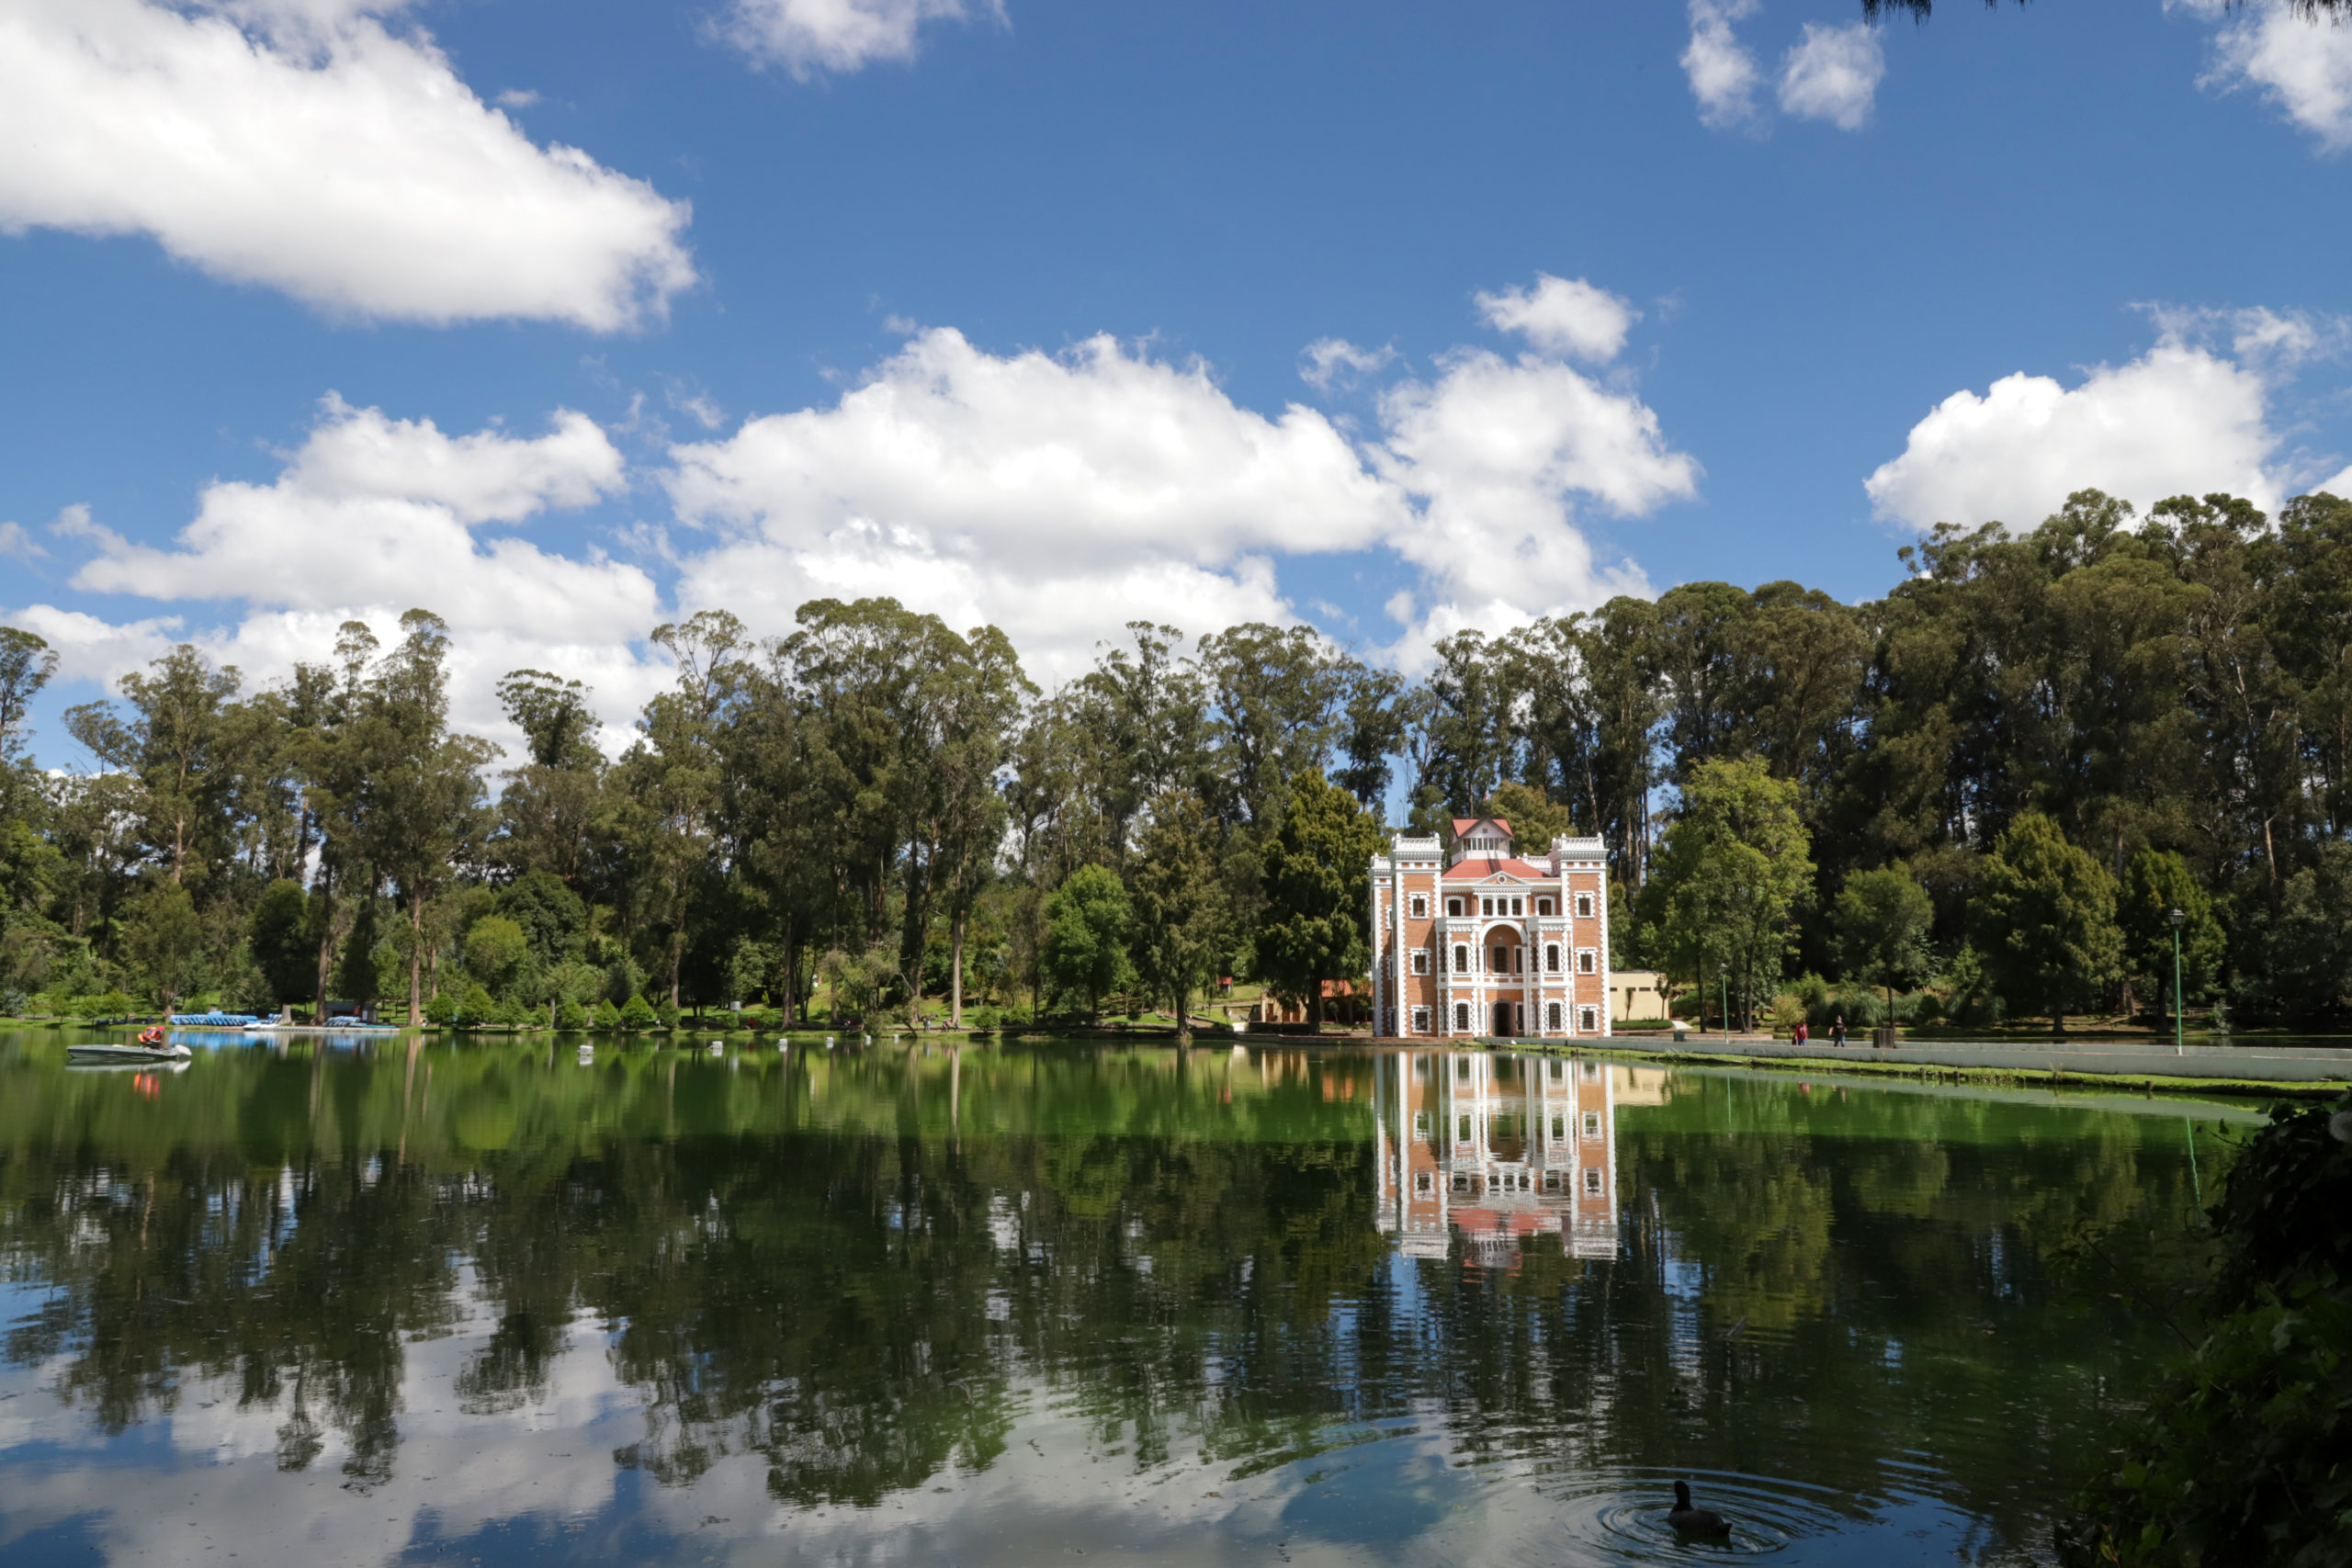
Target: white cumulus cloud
x=372, y=516
x=300, y=145
x=808, y=35
x=1061, y=496
x=2301, y=65
x=1833, y=73
x=1057, y=496
x=1563, y=315
x=1722, y=73
x=2180, y=419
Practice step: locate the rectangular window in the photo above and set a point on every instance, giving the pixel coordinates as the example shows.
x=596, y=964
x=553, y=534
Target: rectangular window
x=1592, y=1123
x=1462, y=1015
x=1552, y=1022
x=1588, y=1020
x=1461, y=960
x=1421, y=960
x=1592, y=1180
x=1453, y=905
x=1542, y=906
x=1502, y=961
x=1420, y=906
x=1551, y=958
x=1486, y=905
x=1585, y=961
x=1584, y=906
x=1519, y=905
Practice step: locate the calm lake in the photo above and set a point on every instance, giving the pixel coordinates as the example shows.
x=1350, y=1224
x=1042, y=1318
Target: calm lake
x=320, y=1303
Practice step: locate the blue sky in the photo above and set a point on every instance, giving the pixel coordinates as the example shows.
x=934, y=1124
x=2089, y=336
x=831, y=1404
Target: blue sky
x=562, y=319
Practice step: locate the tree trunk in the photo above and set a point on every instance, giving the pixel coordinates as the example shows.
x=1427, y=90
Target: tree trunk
x=326, y=946
x=1314, y=1005
x=677, y=956
x=955, y=971
x=417, y=958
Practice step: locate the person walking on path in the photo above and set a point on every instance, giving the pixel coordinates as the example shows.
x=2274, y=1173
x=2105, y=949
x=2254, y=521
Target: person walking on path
x=1837, y=1030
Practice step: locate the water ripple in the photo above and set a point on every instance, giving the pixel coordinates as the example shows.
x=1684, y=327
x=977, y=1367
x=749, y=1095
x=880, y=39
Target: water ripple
x=1619, y=1515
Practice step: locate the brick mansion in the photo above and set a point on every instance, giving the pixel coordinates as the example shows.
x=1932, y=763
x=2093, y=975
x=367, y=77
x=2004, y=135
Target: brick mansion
x=1491, y=944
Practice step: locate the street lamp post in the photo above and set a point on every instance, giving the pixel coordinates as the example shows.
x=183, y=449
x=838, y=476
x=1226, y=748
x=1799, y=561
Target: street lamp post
x=2176, y=919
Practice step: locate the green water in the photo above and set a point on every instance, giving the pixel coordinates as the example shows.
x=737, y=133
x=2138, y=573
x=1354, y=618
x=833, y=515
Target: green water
x=323, y=1303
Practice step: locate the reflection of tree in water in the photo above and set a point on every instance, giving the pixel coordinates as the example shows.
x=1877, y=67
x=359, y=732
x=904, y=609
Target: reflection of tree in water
x=298, y=1286
x=859, y=1271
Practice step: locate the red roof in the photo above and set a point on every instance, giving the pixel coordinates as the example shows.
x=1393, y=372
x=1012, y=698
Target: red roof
x=1464, y=824
x=1488, y=865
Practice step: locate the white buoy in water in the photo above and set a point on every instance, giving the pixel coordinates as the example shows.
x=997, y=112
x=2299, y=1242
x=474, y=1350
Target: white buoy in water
x=829, y=1042
x=782, y=1043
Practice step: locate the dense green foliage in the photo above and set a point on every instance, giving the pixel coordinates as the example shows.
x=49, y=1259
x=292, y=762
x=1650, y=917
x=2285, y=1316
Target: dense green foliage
x=2059, y=735
x=2244, y=1456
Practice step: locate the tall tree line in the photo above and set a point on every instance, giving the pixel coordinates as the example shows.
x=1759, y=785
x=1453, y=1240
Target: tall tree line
x=2070, y=730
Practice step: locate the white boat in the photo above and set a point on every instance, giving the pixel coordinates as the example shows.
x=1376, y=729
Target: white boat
x=170, y=1052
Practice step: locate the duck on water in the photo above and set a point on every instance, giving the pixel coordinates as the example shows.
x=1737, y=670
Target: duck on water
x=1688, y=1520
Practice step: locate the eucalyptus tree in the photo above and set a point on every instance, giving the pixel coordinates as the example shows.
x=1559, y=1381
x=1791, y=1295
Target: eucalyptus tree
x=1139, y=720
x=673, y=775
x=961, y=817
x=1467, y=724
x=1184, y=911
x=553, y=810
x=1374, y=717
x=27, y=662
x=172, y=743
x=1274, y=699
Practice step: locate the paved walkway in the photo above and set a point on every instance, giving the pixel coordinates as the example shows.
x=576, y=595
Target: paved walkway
x=2252, y=1063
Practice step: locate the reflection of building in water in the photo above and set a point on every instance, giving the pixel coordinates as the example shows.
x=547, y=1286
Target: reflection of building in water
x=1500, y=1148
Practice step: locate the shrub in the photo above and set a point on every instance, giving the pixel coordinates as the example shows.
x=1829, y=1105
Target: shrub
x=1926, y=1008
x=666, y=1011
x=1787, y=1011
x=639, y=1015
x=2240, y=1456
x=607, y=1017
x=570, y=1014
x=442, y=1011
x=476, y=1008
